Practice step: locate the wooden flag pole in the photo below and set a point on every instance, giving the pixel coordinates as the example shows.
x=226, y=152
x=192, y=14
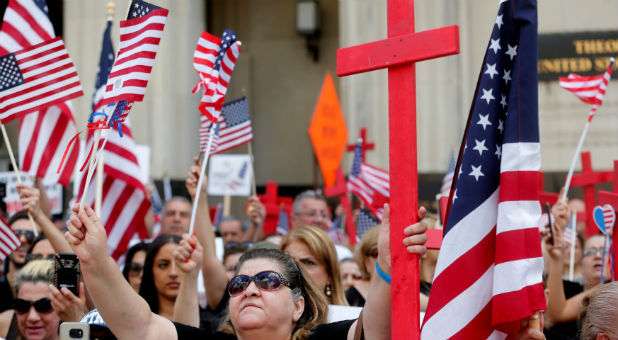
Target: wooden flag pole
x=199, y=181
x=16, y=169
x=567, y=184
x=227, y=202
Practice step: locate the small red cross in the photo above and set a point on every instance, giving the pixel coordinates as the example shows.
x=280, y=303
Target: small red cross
x=364, y=145
x=399, y=53
x=273, y=203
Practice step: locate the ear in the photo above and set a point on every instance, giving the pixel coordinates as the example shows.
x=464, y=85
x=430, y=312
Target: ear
x=602, y=336
x=299, y=308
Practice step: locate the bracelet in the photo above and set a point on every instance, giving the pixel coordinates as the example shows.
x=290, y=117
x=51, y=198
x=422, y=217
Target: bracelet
x=383, y=275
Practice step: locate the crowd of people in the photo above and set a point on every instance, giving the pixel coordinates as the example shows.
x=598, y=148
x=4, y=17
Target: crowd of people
x=174, y=285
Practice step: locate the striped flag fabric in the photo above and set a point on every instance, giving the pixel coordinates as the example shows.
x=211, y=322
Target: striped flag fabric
x=448, y=177
x=590, y=90
x=44, y=134
x=39, y=76
x=124, y=200
x=369, y=183
x=234, y=127
x=364, y=222
x=283, y=225
x=9, y=241
x=489, y=272
x=214, y=60
x=140, y=36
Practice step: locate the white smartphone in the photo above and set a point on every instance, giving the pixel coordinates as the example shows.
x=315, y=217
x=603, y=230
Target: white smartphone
x=74, y=331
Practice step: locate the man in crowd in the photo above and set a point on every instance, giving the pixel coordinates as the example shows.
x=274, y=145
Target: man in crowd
x=176, y=216
x=232, y=229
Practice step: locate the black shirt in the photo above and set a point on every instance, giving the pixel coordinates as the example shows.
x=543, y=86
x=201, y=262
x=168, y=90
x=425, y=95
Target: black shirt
x=566, y=330
x=335, y=330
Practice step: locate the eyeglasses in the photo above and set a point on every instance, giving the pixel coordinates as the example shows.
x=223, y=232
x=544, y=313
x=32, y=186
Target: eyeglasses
x=315, y=213
x=244, y=245
x=594, y=251
x=135, y=268
x=267, y=280
x=41, y=305
x=32, y=257
x=28, y=234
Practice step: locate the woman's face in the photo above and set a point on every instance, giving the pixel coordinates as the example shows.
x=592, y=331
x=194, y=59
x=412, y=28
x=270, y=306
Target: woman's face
x=592, y=261
x=136, y=269
x=43, y=248
x=35, y=325
x=350, y=273
x=314, y=269
x=164, y=272
x=257, y=313
x=229, y=264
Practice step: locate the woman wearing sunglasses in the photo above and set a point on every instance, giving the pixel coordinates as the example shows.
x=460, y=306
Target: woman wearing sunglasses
x=269, y=297
x=36, y=319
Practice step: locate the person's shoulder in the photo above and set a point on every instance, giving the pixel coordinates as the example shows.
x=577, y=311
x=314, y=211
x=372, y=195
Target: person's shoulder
x=189, y=332
x=333, y=330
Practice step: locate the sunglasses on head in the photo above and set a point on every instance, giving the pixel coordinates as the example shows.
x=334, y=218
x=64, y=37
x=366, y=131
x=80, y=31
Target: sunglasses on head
x=267, y=280
x=41, y=305
x=28, y=234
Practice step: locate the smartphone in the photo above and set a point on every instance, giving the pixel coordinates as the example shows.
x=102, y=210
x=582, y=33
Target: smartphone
x=67, y=272
x=551, y=223
x=74, y=331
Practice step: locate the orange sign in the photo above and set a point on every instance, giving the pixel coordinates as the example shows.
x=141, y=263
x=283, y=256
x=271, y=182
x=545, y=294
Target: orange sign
x=328, y=132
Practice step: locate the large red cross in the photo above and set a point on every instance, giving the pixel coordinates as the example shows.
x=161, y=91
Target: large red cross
x=399, y=53
x=364, y=145
x=272, y=204
x=341, y=189
x=588, y=178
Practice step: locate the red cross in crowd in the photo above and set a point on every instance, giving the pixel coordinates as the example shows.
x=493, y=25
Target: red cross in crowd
x=588, y=178
x=272, y=203
x=364, y=145
x=399, y=53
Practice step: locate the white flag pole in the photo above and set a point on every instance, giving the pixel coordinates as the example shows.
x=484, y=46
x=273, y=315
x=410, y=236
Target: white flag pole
x=199, y=181
x=567, y=184
x=573, y=241
x=16, y=169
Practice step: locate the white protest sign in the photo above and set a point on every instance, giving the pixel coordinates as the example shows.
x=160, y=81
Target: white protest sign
x=13, y=203
x=229, y=175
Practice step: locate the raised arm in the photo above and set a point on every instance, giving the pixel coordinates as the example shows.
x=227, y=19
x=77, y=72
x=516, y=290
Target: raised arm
x=130, y=319
x=188, y=258
x=377, y=310
x=256, y=212
x=213, y=270
x=31, y=202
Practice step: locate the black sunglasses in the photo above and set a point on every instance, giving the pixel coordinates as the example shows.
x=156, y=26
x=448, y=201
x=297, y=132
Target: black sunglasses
x=266, y=280
x=135, y=268
x=41, y=305
x=32, y=257
x=28, y=234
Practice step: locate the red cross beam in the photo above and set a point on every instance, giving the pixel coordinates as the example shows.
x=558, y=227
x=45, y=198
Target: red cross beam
x=272, y=204
x=588, y=178
x=399, y=53
x=364, y=145
x=546, y=197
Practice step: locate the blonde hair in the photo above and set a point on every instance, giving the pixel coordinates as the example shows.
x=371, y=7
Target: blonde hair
x=600, y=312
x=323, y=248
x=35, y=271
x=368, y=242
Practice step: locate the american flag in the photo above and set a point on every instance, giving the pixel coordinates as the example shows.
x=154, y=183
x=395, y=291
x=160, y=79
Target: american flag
x=214, y=60
x=234, y=127
x=448, y=177
x=9, y=241
x=124, y=201
x=140, y=35
x=43, y=135
x=283, y=225
x=364, y=222
x=489, y=272
x=36, y=77
x=590, y=90
x=369, y=183
x=571, y=230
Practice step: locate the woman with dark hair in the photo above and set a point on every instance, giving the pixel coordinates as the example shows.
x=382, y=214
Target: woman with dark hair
x=134, y=264
x=270, y=296
x=160, y=280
